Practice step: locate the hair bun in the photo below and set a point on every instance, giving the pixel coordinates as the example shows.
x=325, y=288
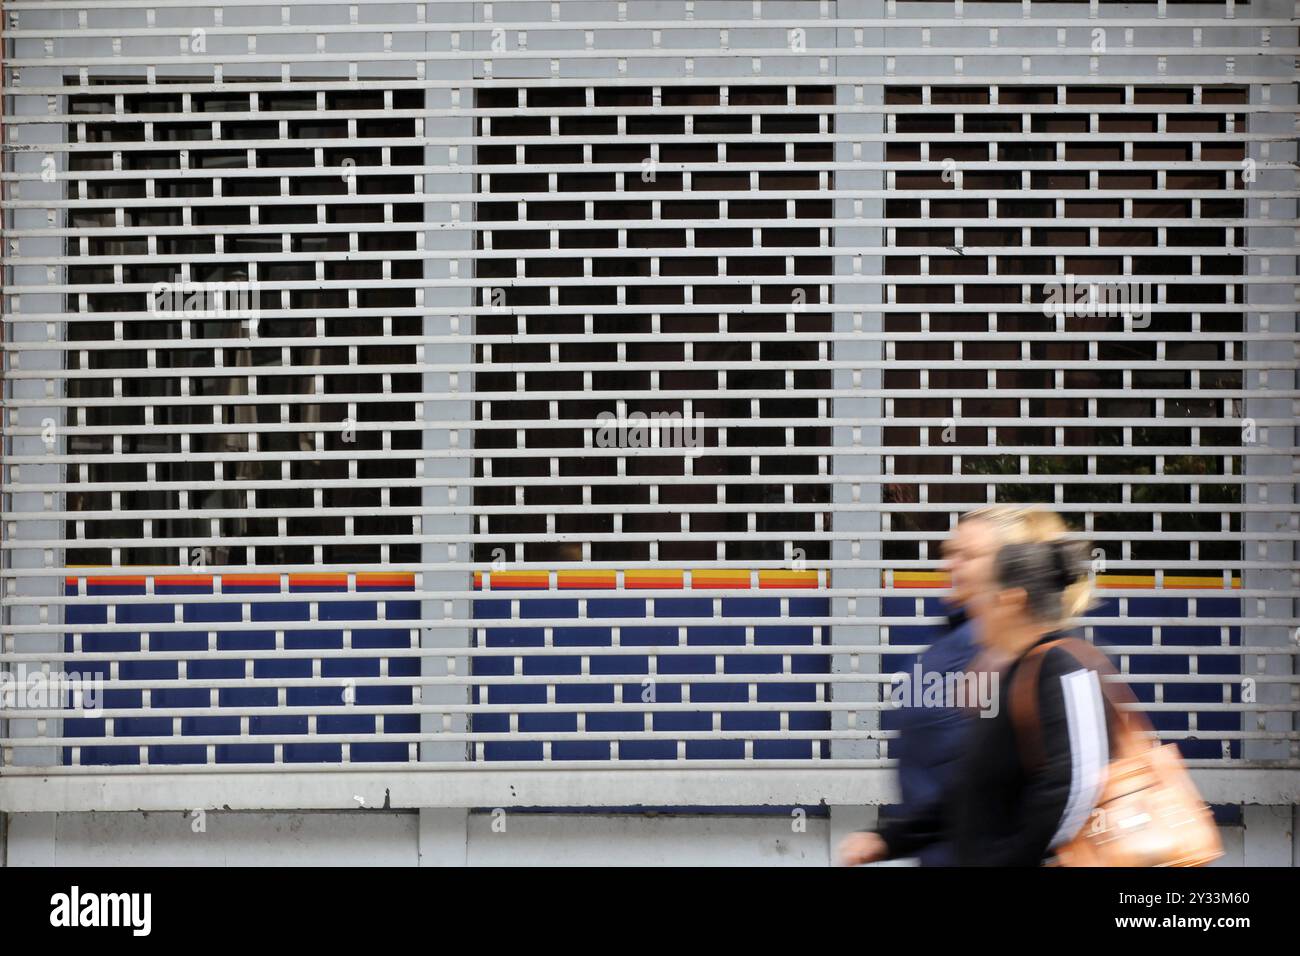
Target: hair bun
x=1063, y=562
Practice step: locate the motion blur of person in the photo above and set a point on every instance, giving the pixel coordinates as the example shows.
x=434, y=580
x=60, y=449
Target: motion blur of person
x=998, y=811
x=930, y=739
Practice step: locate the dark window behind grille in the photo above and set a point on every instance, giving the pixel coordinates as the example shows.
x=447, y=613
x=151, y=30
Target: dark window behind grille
x=971, y=236
x=1116, y=424
x=237, y=232
x=673, y=296
x=667, y=356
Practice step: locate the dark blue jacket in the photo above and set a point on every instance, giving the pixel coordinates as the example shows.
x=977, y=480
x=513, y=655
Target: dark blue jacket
x=930, y=740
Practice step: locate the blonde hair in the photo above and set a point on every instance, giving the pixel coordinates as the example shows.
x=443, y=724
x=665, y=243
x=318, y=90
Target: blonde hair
x=1015, y=524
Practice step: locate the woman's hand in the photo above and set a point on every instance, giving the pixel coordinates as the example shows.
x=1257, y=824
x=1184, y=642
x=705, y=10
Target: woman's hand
x=859, y=848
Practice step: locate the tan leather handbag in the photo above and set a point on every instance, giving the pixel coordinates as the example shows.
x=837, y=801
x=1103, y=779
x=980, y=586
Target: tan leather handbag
x=1149, y=813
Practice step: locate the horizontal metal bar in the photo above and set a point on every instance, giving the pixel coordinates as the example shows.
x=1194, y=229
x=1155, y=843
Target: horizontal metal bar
x=485, y=682
x=599, y=625
x=209, y=740
x=522, y=736
x=193, y=60
x=424, y=141
x=784, y=193
x=785, y=364
x=701, y=393
x=380, y=594
x=768, y=22
x=511, y=592
x=595, y=111
x=746, y=451
x=205, y=514
x=179, y=542
x=343, y=710
x=268, y=83
x=182, y=230
x=692, y=252
x=625, y=585
x=396, y=567
x=171, y=655
x=1121, y=595
x=486, y=397
x=942, y=280
x=839, y=478
x=985, y=310
x=1021, y=16
x=335, y=172
x=533, y=426
x=555, y=338
x=1217, y=282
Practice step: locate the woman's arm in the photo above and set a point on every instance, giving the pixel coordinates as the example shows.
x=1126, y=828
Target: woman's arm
x=905, y=835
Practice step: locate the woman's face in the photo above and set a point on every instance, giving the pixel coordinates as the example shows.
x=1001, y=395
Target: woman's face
x=968, y=558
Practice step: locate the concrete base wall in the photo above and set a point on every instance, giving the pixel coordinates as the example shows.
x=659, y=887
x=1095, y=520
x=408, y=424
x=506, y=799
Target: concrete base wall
x=244, y=839
x=1267, y=837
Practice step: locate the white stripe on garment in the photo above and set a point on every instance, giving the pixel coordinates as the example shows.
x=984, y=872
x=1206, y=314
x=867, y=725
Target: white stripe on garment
x=1086, y=716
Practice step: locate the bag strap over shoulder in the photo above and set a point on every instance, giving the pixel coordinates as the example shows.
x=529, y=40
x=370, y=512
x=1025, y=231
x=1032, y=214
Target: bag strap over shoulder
x=1023, y=696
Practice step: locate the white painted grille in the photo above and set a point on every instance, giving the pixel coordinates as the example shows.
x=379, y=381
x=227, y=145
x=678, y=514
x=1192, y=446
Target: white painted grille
x=827, y=229
x=265, y=437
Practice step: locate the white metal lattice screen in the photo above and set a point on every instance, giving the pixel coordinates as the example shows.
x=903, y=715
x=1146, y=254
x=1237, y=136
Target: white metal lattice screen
x=469, y=231
x=236, y=385
x=237, y=394
x=1124, y=416
x=651, y=393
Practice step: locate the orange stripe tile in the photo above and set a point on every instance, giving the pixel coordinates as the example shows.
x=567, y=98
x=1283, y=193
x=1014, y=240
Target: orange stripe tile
x=602, y=579
x=921, y=579
x=386, y=579
x=722, y=578
x=251, y=580
x=649, y=579
x=1125, y=581
x=318, y=580
x=390, y=579
x=518, y=579
x=787, y=579
x=939, y=579
x=1175, y=583
x=591, y=580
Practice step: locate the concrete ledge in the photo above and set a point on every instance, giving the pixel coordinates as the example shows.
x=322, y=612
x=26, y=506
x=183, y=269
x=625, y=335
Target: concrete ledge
x=510, y=787
x=409, y=789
